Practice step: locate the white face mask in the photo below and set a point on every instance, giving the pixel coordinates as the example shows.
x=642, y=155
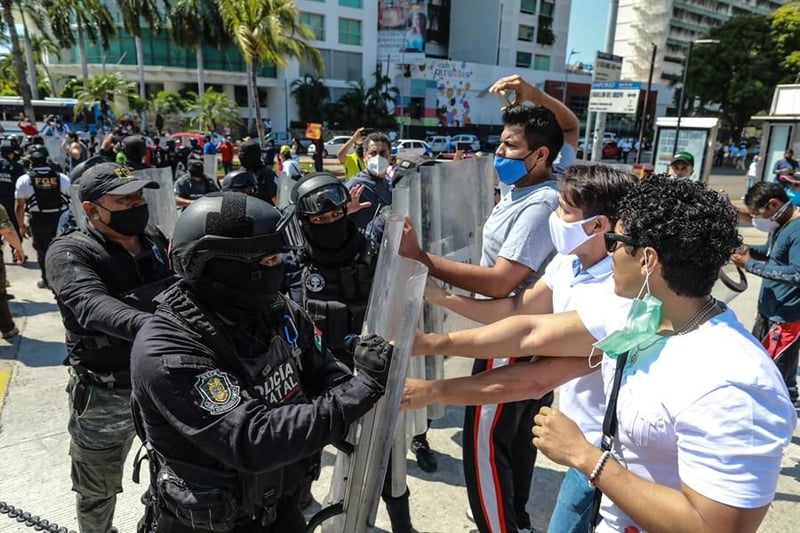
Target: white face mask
x=567, y=236
x=377, y=165
x=770, y=224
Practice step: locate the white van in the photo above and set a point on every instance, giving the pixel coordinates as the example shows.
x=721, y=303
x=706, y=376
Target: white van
x=438, y=143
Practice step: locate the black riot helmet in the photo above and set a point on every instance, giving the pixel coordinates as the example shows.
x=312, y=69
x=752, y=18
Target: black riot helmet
x=250, y=155
x=319, y=193
x=240, y=181
x=38, y=154
x=229, y=226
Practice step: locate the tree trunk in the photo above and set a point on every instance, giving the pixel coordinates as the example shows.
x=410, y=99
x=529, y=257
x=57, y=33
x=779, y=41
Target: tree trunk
x=201, y=74
x=137, y=40
x=29, y=60
x=19, y=64
x=256, y=103
x=82, y=53
x=248, y=68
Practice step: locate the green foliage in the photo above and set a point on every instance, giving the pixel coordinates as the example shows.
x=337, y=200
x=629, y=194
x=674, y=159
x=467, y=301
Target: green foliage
x=214, y=109
x=107, y=90
x=739, y=74
x=785, y=33
x=363, y=105
x=311, y=96
x=91, y=18
x=197, y=22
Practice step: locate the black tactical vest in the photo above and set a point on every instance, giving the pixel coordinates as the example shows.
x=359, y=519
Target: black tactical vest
x=47, y=196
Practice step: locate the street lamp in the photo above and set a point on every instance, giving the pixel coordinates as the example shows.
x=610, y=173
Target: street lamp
x=683, y=86
x=566, y=75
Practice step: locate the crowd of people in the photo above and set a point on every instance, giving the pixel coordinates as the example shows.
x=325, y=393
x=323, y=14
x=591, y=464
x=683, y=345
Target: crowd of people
x=234, y=351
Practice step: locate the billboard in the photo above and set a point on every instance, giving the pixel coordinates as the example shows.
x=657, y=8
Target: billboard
x=614, y=97
x=401, y=31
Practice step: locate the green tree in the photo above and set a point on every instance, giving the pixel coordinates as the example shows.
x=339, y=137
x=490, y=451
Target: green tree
x=379, y=97
x=105, y=90
x=365, y=106
x=194, y=23
x=739, y=73
x=785, y=26
x=166, y=104
x=350, y=112
x=92, y=20
x=311, y=96
x=16, y=53
x=267, y=32
x=214, y=109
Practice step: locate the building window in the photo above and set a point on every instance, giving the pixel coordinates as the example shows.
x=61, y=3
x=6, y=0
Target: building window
x=545, y=34
x=525, y=33
x=524, y=59
x=349, y=31
x=352, y=3
x=528, y=6
x=315, y=23
x=541, y=62
x=548, y=8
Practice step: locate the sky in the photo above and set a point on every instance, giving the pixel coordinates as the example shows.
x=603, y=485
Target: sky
x=587, y=29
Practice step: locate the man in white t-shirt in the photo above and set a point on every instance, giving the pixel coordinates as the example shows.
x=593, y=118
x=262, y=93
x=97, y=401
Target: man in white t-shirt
x=703, y=414
x=578, y=288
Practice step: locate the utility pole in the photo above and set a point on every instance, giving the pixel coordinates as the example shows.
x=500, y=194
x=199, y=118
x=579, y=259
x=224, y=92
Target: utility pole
x=600, y=122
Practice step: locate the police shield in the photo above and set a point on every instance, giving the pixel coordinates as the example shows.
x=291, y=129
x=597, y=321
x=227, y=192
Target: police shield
x=448, y=203
x=56, y=150
x=285, y=186
x=210, y=165
x=393, y=312
x=160, y=202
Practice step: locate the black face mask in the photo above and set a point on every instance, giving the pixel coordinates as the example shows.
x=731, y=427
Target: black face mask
x=239, y=291
x=128, y=222
x=327, y=236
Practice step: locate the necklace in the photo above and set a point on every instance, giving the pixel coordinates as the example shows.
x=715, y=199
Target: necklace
x=697, y=319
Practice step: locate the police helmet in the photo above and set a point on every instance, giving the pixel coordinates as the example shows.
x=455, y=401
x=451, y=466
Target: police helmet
x=232, y=226
x=77, y=172
x=38, y=154
x=319, y=192
x=239, y=180
x=6, y=146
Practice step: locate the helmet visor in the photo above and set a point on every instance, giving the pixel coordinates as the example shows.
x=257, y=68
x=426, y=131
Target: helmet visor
x=322, y=200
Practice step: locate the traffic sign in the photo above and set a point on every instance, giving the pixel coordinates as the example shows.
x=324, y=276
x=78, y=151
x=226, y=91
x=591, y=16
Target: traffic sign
x=614, y=97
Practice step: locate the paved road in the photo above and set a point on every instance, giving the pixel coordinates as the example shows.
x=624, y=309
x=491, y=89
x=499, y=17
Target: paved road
x=34, y=465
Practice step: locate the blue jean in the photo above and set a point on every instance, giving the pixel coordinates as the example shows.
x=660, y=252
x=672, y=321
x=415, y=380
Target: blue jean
x=573, y=505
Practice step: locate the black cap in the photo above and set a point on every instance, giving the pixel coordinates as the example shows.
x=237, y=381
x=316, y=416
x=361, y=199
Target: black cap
x=134, y=146
x=111, y=178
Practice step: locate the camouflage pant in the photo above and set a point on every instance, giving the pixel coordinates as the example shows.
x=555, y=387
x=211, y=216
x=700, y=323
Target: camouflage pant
x=101, y=428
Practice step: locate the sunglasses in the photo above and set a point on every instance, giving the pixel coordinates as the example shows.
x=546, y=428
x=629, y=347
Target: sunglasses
x=612, y=239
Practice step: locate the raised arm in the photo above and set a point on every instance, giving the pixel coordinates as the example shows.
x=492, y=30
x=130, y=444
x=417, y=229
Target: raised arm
x=341, y=155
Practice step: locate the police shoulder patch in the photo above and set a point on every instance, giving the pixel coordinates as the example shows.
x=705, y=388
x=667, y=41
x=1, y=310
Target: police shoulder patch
x=218, y=393
x=317, y=338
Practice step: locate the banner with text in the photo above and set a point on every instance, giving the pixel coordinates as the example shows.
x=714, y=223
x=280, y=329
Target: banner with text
x=615, y=97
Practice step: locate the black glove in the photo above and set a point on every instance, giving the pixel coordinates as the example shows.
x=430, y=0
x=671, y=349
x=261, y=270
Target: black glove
x=372, y=356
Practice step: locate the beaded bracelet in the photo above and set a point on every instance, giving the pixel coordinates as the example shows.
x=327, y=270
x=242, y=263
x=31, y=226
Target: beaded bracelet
x=598, y=467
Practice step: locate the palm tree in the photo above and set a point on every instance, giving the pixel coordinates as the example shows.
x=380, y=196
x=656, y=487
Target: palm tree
x=167, y=103
x=103, y=89
x=311, y=96
x=267, y=31
x=41, y=45
x=16, y=52
x=34, y=12
x=194, y=23
x=133, y=11
x=92, y=21
x=214, y=109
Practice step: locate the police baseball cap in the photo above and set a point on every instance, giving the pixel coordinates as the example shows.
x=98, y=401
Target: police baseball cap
x=685, y=157
x=110, y=178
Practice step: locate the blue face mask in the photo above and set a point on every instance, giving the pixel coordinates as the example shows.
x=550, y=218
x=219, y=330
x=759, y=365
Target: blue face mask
x=794, y=196
x=510, y=170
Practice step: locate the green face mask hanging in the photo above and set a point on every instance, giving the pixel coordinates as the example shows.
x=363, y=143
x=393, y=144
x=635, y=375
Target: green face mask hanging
x=641, y=326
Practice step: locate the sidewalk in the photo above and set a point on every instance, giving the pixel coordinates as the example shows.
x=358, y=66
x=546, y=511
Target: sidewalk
x=34, y=464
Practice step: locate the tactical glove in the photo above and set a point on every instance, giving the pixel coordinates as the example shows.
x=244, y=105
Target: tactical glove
x=372, y=356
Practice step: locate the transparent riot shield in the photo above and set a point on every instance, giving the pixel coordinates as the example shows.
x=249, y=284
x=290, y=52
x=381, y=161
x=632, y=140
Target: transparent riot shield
x=448, y=204
x=285, y=186
x=160, y=202
x=57, y=152
x=393, y=312
x=210, y=166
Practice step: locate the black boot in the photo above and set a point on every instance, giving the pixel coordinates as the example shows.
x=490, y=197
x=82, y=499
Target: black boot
x=399, y=515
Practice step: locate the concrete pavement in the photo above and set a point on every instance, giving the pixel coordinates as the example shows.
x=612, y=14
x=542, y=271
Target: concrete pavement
x=34, y=464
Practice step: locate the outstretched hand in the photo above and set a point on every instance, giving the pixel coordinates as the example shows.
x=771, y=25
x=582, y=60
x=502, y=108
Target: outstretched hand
x=355, y=204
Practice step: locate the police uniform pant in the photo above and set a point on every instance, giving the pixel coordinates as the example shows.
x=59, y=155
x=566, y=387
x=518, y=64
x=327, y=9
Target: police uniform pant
x=499, y=458
x=101, y=431
x=6, y=321
x=44, y=227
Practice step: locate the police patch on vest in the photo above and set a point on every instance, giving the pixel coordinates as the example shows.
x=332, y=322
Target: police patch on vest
x=317, y=338
x=218, y=394
x=315, y=282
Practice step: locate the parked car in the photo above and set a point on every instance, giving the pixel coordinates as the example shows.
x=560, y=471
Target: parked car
x=475, y=144
x=610, y=150
x=303, y=146
x=490, y=143
x=280, y=138
x=332, y=146
x=438, y=143
x=411, y=146
x=185, y=137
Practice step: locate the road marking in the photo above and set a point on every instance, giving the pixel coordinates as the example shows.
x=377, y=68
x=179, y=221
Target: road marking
x=5, y=377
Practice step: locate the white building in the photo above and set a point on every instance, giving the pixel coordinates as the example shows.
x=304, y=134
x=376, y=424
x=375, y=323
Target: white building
x=671, y=25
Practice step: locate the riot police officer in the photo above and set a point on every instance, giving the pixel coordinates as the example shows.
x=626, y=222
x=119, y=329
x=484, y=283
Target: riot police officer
x=232, y=388
x=10, y=171
x=194, y=185
x=44, y=194
x=266, y=179
x=104, y=279
x=240, y=181
x=333, y=281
